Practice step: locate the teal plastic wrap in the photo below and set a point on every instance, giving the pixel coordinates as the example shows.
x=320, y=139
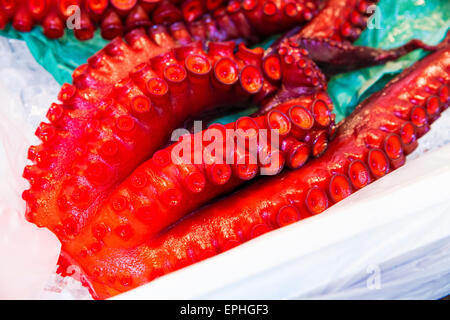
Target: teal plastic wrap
x=398, y=22
x=59, y=57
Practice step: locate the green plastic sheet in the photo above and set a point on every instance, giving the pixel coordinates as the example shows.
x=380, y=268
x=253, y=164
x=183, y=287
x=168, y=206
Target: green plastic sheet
x=396, y=22
x=399, y=22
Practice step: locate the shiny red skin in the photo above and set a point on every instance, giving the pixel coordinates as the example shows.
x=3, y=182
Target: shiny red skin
x=96, y=140
x=68, y=182
x=340, y=20
x=201, y=19
x=370, y=132
x=328, y=38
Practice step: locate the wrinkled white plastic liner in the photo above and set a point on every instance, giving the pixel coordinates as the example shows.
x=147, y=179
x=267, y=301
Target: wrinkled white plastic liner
x=389, y=240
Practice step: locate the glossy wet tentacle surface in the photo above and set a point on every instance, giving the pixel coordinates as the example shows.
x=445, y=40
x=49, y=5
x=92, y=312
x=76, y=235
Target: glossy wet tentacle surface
x=329, y=37
x=372, y=142
x=202, y=20
x=89, y=148
x=341, y=20
x=335, y=57
x=92, y=149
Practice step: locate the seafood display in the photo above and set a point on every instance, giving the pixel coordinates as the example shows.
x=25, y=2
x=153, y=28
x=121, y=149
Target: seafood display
x=130, y=202
x=215, y=20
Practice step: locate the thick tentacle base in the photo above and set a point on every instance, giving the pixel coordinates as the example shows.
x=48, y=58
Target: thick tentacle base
x=369, y=144
x=202, y=19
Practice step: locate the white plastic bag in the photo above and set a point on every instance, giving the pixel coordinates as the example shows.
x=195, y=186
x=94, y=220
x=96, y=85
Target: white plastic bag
x=27, y=254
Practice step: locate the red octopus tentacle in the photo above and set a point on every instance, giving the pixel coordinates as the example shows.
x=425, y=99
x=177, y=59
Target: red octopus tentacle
x=169, y=185
x=372, y=142
x=213, y=19
x=94, y=142
x=340, y=20
x=328, y=38
x=82, y=103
